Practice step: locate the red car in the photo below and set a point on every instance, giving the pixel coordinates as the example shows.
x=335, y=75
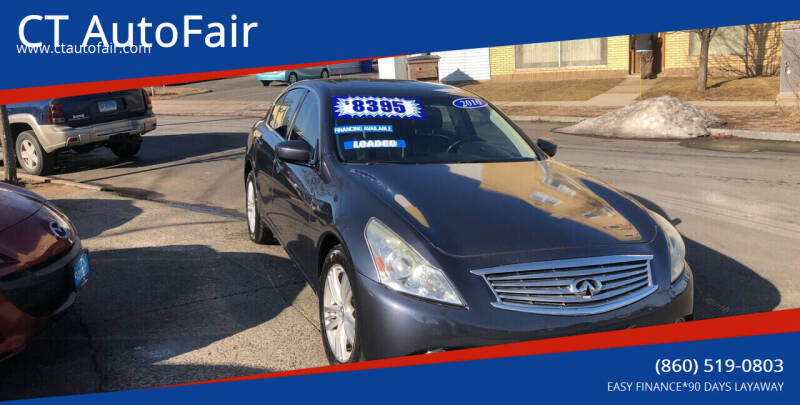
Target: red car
x=42, y=266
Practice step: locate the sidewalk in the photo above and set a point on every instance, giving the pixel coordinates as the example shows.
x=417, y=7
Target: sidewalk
x=619, y=103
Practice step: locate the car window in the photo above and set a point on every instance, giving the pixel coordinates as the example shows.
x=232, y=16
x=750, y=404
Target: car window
x=306, y=125
x=284, y=109
x=271, y=113
x=436, y=128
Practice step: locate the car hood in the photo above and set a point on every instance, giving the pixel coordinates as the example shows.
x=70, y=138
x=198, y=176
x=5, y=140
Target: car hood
x=16, y=204
x=26, y=238
x=492, y=208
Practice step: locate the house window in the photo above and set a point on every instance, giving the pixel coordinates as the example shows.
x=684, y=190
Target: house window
x=579, y=52
x=726, y=41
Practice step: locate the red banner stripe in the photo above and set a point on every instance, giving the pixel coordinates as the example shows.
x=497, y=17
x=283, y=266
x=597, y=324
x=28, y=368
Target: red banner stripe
x=20, y=95
x=766, y=323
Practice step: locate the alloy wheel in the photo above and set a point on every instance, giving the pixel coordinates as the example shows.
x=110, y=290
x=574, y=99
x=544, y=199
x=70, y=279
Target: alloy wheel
x=251, y=206
x=339, y=313
x=28, y=155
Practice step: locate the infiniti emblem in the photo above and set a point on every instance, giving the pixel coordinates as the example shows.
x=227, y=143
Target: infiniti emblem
x=58, y=230
x=586, y=287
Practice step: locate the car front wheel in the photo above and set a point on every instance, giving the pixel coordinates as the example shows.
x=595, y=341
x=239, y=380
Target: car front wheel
x=255, y=227
x=339, y=310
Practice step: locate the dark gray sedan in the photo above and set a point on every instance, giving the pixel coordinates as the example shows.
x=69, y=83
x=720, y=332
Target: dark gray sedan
x=426, y=220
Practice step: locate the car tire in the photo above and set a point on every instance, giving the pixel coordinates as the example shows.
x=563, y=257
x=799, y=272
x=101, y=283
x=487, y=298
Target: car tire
x=265, y=83
x=338, y=309
x=31, y=156
x=126, y=147
x=325, y=74
x=255, y=226
x=292, y=78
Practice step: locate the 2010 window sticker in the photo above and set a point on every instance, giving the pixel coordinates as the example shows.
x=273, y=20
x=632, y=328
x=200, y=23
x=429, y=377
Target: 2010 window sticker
x=377, y=107
x=470, y=102
x=375, y=143
x=360, y=129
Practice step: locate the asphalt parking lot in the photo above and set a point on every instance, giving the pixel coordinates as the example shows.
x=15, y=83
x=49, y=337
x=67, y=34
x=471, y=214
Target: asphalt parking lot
x=178, y=292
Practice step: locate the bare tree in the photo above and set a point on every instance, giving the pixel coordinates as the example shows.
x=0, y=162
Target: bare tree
x=9, y=160
x=705, y=35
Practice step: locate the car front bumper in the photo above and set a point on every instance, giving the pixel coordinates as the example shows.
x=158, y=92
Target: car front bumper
x=394, y=324
x=52, y=289
x=55, y=137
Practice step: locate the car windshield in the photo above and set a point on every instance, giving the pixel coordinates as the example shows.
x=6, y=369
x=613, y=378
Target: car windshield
x=439, y=129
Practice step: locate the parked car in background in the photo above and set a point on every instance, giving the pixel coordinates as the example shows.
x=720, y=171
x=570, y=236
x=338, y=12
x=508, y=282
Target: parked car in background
x=292, y=76
x=42, y=129
x=426, y=220
x=42, y=266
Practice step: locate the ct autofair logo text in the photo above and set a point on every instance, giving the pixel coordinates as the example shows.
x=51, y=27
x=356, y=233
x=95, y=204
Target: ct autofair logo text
x=141, y=33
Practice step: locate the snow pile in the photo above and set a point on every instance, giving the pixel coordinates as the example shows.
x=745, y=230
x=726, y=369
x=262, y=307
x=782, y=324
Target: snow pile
x=661, y=117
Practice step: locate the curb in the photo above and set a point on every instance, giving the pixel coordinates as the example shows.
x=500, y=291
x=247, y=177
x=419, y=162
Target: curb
x=760, y=135
x=42, y=179
x=547, y=118
x=739, y=133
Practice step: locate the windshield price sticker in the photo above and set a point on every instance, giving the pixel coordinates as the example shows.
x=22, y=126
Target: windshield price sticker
x=375, y=143
x=360, y=129
x=469, y=102
x=377, y=107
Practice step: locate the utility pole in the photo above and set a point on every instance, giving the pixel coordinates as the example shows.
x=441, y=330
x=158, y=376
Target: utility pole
x=9, y=149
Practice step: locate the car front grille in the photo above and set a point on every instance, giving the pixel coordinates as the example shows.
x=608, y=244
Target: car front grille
x=38, y=291
x=583, y=286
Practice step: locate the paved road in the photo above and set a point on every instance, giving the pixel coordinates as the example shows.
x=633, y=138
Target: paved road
x=736, y=210
x=174, y=296
x=242, y=88
x=247, y=88
x=150, y=324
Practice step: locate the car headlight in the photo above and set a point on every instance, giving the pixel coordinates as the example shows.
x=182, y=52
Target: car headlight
x=677, y=250
x=402, y=268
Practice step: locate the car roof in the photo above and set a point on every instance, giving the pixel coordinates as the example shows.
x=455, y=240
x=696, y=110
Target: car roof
x=380, y=88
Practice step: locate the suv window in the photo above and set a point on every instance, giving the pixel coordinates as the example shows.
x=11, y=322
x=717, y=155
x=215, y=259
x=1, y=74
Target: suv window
x=284, y=109
x=306, y=125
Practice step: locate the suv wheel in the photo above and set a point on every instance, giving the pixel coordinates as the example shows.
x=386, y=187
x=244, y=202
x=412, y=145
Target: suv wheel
x=126, y=146
x=31, y=156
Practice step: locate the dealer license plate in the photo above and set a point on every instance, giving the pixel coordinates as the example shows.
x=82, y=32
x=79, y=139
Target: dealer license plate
x=80, y=270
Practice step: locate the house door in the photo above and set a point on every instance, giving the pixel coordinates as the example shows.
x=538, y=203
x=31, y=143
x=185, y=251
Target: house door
x=634, y=64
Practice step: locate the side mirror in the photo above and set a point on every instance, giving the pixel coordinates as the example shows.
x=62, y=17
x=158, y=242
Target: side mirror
x=294, y=151
x=547, y=145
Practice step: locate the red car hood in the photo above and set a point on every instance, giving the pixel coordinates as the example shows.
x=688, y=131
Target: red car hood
x=16, y=204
